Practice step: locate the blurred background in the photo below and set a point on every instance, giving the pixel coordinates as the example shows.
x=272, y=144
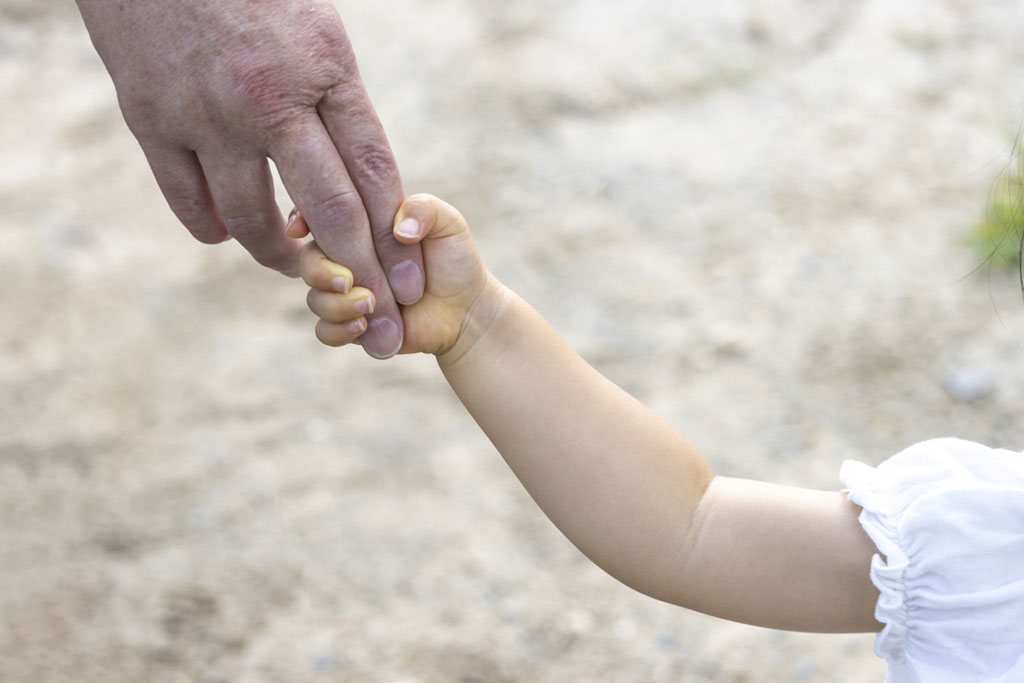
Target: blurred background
x=766, y=220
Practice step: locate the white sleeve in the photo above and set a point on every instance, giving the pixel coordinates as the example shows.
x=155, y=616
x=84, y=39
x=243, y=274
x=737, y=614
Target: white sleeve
x=947, y=517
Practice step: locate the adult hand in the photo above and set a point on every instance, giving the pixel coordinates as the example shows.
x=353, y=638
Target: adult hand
x=212, y=89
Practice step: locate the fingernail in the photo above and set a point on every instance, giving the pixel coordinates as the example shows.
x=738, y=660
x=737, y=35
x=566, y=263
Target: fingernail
x=410, y=228
x=406, y=280
x=341, y=284
x=382, y=338
x=357, y=326
x=365, y=306
x=291, y=221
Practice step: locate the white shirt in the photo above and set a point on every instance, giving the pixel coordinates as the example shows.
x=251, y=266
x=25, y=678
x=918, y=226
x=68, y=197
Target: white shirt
x=947, y=517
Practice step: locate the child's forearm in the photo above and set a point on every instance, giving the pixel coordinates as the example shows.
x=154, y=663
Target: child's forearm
x=638, y=499
x=617, y=480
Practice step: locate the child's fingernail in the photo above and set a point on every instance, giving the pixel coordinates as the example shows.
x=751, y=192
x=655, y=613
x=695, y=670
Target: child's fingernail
x=365, y=306
x=357, y=326
x=290, y=224
x=341, y=284
x=409, y=228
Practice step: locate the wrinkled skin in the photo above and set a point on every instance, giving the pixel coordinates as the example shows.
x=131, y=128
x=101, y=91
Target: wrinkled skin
x=212, y=90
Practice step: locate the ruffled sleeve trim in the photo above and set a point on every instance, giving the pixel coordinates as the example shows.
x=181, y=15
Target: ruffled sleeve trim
x=881, y=511
x=945, y=516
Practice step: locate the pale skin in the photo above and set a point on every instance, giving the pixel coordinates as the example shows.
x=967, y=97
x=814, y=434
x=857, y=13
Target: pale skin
x=625, y=487
x=213, y=90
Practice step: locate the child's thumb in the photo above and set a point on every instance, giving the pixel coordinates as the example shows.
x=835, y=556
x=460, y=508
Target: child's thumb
x=424, y=216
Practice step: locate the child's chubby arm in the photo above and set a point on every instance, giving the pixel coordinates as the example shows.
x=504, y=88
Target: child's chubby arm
x=625, y=487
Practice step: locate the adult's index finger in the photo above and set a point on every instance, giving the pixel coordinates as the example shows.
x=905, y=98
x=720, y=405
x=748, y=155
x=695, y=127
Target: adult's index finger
x=315, y=176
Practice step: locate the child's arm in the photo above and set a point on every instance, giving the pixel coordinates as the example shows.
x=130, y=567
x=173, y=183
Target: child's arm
x=627, y=489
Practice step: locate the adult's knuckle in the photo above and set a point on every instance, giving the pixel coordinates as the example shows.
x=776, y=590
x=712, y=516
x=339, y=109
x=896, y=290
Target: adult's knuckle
x=375, y=165
x=259, y=86
x=261, y=96
x=344, y=207
x=195, y=215
x=245, y=228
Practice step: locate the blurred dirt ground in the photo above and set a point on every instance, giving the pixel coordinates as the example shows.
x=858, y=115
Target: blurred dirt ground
x=752, y=215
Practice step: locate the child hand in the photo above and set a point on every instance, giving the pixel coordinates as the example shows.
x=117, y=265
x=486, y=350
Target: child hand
x=455, y=281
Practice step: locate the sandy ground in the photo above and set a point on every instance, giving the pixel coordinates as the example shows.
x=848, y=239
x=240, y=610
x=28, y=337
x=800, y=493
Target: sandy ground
x=751, y=215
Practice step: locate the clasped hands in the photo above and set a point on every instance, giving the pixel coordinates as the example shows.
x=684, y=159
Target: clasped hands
x=458, y=291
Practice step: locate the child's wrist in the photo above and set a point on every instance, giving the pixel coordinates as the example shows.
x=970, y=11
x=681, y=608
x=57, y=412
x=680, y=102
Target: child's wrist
x=478, y=322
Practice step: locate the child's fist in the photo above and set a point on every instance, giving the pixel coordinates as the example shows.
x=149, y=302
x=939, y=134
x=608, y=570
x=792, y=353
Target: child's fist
x=455, y=281
x=342, y=308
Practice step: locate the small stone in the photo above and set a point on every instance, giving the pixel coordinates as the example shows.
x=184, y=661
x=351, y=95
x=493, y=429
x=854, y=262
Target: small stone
x=965, y=384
